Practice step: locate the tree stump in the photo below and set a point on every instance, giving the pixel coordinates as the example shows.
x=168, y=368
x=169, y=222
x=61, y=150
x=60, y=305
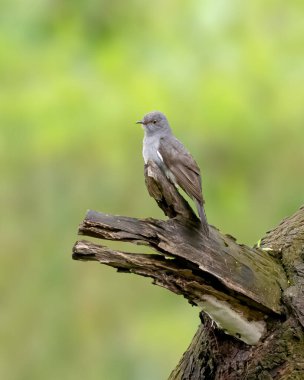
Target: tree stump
x=251, y=299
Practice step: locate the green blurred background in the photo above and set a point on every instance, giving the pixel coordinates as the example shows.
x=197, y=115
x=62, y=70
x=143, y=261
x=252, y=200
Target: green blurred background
x=75, y=76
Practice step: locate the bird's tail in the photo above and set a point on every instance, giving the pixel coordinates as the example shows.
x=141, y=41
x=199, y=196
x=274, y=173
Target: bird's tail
x=203, y=218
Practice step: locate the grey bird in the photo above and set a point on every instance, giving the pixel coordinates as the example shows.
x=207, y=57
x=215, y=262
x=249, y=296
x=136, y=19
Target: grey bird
x=162, y=147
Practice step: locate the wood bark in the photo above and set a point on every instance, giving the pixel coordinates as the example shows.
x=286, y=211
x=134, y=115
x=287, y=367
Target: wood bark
x=252, y=298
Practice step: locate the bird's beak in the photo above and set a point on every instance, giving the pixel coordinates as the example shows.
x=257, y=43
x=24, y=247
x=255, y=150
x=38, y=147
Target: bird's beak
x=139, y=122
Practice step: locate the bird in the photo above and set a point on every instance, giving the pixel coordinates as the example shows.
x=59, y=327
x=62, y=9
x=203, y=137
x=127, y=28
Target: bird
x=170, y=155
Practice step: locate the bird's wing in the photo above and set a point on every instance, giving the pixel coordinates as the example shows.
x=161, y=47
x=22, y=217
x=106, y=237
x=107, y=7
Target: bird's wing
x=182, y=165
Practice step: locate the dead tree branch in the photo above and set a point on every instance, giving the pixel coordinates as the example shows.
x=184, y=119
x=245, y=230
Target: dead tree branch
x=253, y=294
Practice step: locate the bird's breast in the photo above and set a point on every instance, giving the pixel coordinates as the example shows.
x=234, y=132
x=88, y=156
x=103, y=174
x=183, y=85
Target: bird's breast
x=150, y=149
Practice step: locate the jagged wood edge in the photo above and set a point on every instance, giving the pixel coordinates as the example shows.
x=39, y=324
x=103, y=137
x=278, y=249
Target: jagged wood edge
x=250, y=273
x=173, y=274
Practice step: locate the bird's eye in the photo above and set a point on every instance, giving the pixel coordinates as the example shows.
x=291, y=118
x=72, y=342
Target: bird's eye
x=154, y=121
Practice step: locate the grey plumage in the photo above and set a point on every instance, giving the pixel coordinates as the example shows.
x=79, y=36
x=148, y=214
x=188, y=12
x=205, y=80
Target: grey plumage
x=172, y=157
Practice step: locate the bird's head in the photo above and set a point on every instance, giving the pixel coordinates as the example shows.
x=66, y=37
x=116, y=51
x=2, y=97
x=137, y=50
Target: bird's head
x=154, y=122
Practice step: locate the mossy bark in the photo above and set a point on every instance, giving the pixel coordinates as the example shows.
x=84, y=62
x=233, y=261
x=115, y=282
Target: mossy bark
x=280, y=354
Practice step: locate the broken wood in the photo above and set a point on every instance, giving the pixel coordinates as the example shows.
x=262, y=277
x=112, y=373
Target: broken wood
x=245, y=290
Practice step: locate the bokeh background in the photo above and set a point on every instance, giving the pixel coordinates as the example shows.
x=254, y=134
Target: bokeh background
x=75, y=76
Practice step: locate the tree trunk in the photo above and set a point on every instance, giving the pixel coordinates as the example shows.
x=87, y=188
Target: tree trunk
x=252, y=300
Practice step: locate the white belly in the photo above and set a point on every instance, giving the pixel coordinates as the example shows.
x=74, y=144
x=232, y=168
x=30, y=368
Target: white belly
x=150, y=149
